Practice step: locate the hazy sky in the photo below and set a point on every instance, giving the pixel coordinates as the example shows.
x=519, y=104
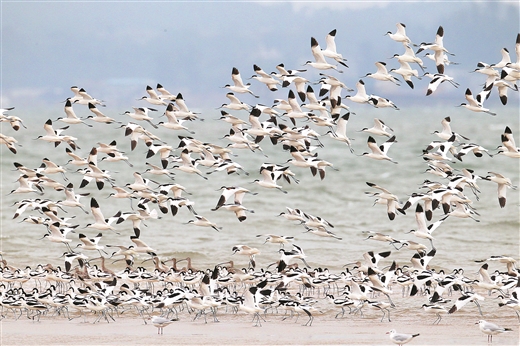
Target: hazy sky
x=114, y=49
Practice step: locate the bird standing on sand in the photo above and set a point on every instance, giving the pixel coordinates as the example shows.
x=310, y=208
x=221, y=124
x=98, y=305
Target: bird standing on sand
x=161, y=322
x=399, y=338
x=491, y=329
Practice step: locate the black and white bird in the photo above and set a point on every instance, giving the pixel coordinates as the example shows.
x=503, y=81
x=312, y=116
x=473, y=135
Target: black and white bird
x=340, y=131
x=508, y=147
x=100, y=223
x=83, y=98
x=438, y=49
x=319, y=59
x=91, y=243
x=400, y=34
x=503, y=184
x=246, y=250
x=382, y=73
x=153, y=98
x=407, y=72
x=447, y=132
x=141, y=114
x=379, y=129
x=228, y=192
x=99, y=117
x=423, y=230
x=361, y=95
x=387, y=198
x=263, y=77
x=238, y=85
x=286, y=256
x=379, y=152
x=234, y=103
x=204, y=222
x=409, y=57
x=330, y=49
x=71, y=118
x=476, y=104
x=277, y=239
x=436, y=80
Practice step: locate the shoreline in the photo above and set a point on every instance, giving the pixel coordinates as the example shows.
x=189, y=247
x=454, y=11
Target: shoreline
x=237, y=329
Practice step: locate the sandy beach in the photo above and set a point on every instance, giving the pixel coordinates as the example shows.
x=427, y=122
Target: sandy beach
x=237, y=329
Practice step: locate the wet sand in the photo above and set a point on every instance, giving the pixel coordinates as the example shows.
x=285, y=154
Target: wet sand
x=237, y=329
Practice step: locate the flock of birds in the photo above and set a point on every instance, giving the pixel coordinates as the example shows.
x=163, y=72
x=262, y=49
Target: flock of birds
x=293, y=127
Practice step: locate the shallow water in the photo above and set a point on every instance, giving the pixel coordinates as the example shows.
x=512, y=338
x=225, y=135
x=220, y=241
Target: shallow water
x=339, y=198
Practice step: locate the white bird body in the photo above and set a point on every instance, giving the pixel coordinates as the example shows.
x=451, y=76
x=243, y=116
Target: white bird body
x=55, y=136
x=319, y=59
x=487, y=70
x=438, y=79
x=361, y=95
x=276, y=239
x=269, y=179
x=293, y=214
x=251, y=305
x=81, y=97
x=438, y=48
x=409, y=56
x=235, y=103
x=59, y=235
x=423, y=230
x=506, y=59
x=322, y=232
x=141, y=246
x=503, y=183
x=71, y=117
x=509, y=147
x=153, y=98
x=100, y=223
x=340, y=132
x=161, y=322
x=165, y=94
x=406, y=71
x=491, y=329
x=379, y=129
x=330, y=49
x=400, y=338
x=98, y=116
x=295, y=112
x=72, y=199
x=382, y=73
x=246, y=250
x=379, y=152
x=476, y=105
x=381, y=102
x=238, y=85
x=400, y=34
x=141, y=114
x=204, y=222
x=236, y=192
x=182, y=111
x=90, y=244
x=9, y=142
x=173, y=123
x=265, y=78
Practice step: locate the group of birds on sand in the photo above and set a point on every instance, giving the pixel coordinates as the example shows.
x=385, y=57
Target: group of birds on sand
x=248, y=289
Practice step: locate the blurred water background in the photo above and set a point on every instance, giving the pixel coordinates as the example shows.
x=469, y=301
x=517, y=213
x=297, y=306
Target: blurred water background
x=339, y=198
